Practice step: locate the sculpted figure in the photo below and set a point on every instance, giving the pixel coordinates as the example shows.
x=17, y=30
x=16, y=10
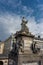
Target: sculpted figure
x=35, y=48
x=23, y=25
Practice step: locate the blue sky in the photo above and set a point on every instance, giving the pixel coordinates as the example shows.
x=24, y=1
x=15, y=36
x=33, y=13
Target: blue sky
x=12, y=11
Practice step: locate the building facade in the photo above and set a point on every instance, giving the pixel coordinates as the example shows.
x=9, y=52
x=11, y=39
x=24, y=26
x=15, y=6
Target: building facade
x=23, y=48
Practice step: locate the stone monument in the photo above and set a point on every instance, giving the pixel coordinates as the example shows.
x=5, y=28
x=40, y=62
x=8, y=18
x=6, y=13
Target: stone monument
x=24, y=27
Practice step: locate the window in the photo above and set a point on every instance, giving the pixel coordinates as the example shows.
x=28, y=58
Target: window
x=1, y=48
x=11, y=44
x=11, y=62
x=41, y=46
x=31, y=63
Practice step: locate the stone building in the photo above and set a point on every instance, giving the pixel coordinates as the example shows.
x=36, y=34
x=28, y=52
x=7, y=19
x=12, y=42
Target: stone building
x=23, y=48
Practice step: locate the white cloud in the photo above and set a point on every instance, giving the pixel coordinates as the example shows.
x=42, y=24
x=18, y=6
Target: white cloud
x=27, y=10
x=11, y=23
x=16, y=6
x=40, y=6
x=35, y=28
x=11, y=3
x=38, y=0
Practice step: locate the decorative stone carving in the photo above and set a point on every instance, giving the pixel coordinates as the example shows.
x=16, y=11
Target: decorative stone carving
x=24, y=28
x=15, y=50
x=35, y=48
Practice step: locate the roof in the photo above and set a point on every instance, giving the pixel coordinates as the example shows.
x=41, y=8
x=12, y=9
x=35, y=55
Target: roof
x=38, y=38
